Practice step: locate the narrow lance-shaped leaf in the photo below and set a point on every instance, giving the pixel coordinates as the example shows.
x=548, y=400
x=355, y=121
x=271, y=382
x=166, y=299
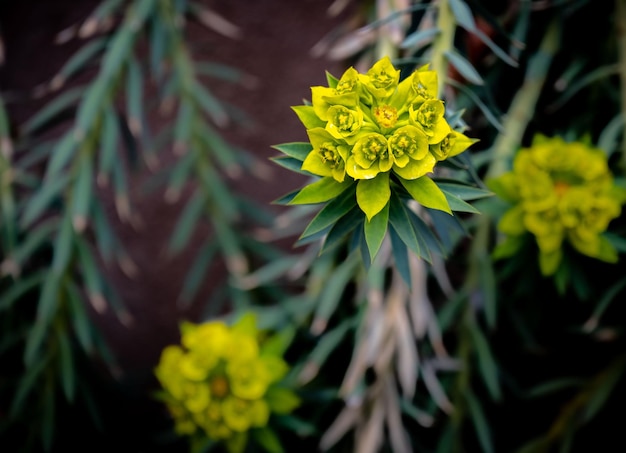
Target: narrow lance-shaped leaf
x=82, y=192
x=80, y=321
x=401, y=224
x=462, y=14
x=419, y=37
x=63, y=246
x=297, y=150
x=333, y=290
x=425, y=191
x=187, y=222
x=486, y=361
x=27, y=382
x=92, y=276
x=62, y=102
x=375, y=231
x=108, y=144
x=66, y=369
x=372, y=195
x=464, y=67
x=197, y=272
x=210, y=105
x=331, y=213
x=78, y=61
x=62, y=153
x=479, y=421
x=134, y=96
x=320, y=191
x=37, y=237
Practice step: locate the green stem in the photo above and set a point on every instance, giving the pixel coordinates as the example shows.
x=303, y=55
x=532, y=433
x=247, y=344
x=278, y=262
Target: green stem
x=523, y=105
x=443, y=43
x=620, y=15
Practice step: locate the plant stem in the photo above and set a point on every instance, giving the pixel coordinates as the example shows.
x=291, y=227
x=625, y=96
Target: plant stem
x=620, y=15
x=443, y=43
x=523, y=105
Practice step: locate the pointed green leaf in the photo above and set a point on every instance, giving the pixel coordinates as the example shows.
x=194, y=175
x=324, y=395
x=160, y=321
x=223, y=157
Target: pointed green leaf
x=210, y=104
x=425, y=191
x=462, y=14
x=108, y=141
x=400, y=256
x=53, y=109
x=63, y=245
x=419, y=37
x=82, y=192
x=307, y=116
x=290, y=163
x=134, y=96
x=80, y=320
x=463, y=191
x=342, y=227
x=480, y=422
x=197, y=272
x=268, y=440
x=80, y=59
x=19, y=288
x=331, y=213
x=375, y=231
x=458, y=205
x=297, y=150
x=320, y=191
x=331, y=80
x=187, y=222
x=281, y=400
x=486, y=362
x=66, y=358
x=61, y=154
x=401, y=224
x=26, y=383
x=372, y=195
x=464, y=67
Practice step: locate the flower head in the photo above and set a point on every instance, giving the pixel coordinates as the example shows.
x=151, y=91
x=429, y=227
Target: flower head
x=561, y=192
x=363, y=125
x=219, y=381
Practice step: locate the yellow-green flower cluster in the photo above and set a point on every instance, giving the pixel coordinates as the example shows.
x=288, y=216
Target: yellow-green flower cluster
x=363, y=125
x=220, y=380
x=560, y=192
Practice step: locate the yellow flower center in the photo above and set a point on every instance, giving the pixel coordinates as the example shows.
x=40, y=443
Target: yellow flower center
x=343, y=118
x=386, y=115
x=402, y=144
x=219, y=387
x=374, y=148
x=329, y=155
x=560, y=187
x=345, y=86
x=382, y=79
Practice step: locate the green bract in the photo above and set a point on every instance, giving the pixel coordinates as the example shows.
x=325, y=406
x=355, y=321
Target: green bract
x=371, y=133
x=560, y=192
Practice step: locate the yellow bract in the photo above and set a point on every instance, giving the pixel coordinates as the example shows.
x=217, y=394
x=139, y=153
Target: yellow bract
x=561, y=192
x=366, y=124
x=217, y=382
x=377, y=104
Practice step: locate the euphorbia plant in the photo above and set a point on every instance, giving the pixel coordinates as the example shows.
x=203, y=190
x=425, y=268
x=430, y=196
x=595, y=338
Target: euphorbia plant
x=375, y=142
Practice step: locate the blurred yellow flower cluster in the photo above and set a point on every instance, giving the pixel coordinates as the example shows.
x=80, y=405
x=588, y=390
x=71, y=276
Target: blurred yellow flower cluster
x=560, y=192
x=221, y=381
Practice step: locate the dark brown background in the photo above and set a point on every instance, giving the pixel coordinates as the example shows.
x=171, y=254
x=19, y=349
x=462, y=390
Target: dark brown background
x=275, y=49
